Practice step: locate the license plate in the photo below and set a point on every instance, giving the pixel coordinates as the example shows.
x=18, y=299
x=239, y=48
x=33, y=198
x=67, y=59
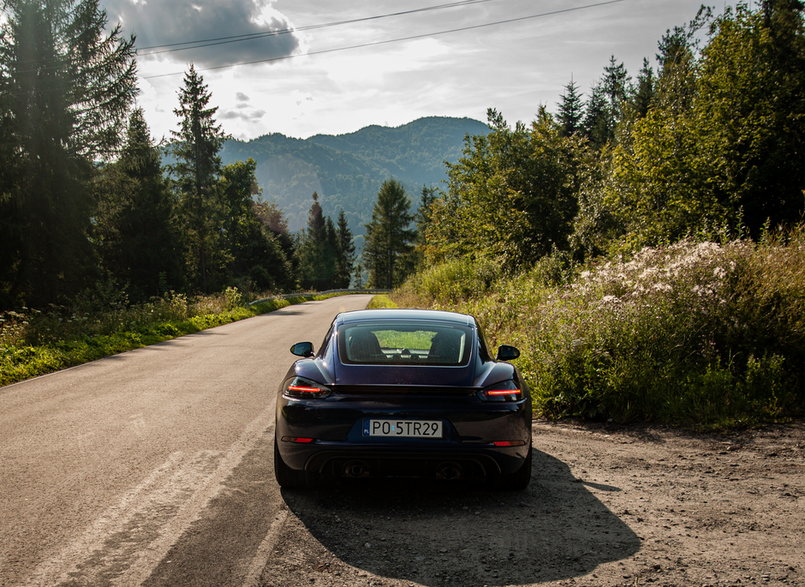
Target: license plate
x=404, y=428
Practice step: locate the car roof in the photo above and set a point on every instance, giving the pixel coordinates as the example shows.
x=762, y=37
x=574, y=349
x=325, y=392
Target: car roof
x=404, y=314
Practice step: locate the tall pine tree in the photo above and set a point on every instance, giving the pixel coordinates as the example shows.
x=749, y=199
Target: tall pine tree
x=65, y=86
x=643, y=94
x=135, y=223
x=388, y=236
x=316, y=259
x=571, y=110
x=345, y=247
x=198, y=166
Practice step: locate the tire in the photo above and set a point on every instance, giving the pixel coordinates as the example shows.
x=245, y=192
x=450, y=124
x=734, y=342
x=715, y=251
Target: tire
x=288, y=478
x=520, y=479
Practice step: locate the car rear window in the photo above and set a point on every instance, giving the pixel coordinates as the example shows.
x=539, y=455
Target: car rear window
x=421, y=343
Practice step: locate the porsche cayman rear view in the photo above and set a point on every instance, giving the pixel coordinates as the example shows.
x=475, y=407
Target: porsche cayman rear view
x=403, y=393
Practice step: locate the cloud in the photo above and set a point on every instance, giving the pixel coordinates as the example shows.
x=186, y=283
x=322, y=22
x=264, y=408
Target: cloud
x=247, y=116
x=159, y=23
x=242, y=97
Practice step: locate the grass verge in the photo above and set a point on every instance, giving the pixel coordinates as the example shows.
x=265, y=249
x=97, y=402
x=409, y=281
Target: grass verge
x=34, y=344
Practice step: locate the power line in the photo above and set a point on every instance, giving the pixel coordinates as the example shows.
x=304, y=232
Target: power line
x=173, y=47
x=55, y=65
x=396, y=40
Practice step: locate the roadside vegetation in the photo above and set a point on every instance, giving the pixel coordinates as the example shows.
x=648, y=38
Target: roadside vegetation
x=694, y=333
x=381, y=301
x=34, y=343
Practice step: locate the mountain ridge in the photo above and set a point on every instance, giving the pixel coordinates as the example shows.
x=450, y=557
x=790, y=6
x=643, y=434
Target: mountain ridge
x=347, y=170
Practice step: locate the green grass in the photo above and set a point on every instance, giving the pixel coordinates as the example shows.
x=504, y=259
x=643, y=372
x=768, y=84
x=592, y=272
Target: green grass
x=381, y=301
x=33, y=343
x=700, y=334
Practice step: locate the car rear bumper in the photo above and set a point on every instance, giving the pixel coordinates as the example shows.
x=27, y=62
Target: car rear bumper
x=331, y=437
x=342, y=459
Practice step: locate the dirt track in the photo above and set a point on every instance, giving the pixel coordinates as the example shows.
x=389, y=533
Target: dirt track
x=606, y=507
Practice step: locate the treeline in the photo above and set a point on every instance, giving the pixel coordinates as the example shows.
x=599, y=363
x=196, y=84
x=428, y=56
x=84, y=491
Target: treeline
x=86, y=206
x=708, y=145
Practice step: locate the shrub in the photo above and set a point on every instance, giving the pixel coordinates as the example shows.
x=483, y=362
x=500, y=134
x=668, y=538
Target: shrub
x=381, y=301
x=451, y=281
x=695, y=333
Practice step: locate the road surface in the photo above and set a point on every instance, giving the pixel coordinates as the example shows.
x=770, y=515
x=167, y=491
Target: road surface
x=103, y=467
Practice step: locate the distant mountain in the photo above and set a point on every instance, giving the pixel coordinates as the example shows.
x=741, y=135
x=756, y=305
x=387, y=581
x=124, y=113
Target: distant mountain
x=348, y=170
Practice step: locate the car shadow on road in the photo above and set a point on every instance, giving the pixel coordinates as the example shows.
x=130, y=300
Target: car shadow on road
x=464, y=535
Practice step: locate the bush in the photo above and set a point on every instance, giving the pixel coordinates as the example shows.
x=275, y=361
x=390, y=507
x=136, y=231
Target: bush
x=695, y=333
x=452, y=281
x=381, y=301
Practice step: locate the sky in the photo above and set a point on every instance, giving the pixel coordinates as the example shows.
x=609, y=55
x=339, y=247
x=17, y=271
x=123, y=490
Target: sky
x=336, y=66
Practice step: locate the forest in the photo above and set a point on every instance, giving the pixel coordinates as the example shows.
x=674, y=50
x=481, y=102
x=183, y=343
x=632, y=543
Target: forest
x=88, y=211
x=711, y=143
x=347, y=170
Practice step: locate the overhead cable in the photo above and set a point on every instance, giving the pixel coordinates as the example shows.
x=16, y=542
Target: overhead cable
x=182, y=46
x=395, y=40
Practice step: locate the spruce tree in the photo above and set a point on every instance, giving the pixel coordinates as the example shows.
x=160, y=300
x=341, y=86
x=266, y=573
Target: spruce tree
x=605, y=106
x=315, y=248
x=198, y=166
x=571, y=110
x=422, y=222
x=597, y=122
x=135, y=222
x=65, y=88
x=616, y=88
x=643, y=95
x=388, y=236
x=345, y=259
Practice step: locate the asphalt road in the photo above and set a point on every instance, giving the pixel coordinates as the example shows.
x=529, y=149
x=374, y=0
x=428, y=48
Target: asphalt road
x=131, y=469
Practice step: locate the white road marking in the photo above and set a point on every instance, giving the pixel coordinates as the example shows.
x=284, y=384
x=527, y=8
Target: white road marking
x=260, y=558
x=126, y=543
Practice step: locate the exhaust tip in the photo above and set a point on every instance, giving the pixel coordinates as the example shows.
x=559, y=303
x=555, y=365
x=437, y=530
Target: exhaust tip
x=355, y=470
x=449, y=471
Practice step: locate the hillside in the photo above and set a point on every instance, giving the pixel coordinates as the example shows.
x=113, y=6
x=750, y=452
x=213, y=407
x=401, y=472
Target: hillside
x=347, y=170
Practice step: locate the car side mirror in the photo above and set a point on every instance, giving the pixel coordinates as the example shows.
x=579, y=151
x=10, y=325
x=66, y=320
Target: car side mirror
x=302, y=349
x=507, y=353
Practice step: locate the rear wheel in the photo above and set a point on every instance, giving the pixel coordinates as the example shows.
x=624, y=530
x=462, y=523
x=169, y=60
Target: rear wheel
x=520, y=479
x=286, y=477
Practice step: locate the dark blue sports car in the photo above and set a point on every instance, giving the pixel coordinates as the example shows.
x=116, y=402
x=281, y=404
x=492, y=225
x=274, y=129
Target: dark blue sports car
x=403, y=393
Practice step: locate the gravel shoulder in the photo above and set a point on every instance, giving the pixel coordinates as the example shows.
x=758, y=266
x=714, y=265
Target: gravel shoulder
x=607, y=506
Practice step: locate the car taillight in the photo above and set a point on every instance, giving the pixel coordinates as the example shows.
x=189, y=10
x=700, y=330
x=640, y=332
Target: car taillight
x=505, y=391
x=506, y=443
x=302, y=388
x=298, y=439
